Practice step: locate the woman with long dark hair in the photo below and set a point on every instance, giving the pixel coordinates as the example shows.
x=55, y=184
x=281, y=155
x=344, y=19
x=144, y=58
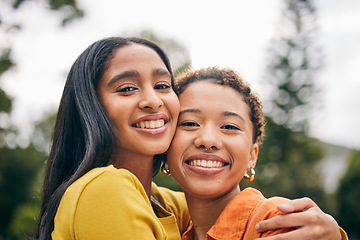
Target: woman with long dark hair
x=117, y=111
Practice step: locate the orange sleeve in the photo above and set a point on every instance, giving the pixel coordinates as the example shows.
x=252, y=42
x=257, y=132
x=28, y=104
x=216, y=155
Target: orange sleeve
x=264, y=210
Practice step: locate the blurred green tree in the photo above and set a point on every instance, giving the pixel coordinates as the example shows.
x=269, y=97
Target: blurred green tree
x=5, y=101
x=294, y=60
x=348, y=195
x=21, y=166
x=288, y=158
x=287, y=165
x=19, y=169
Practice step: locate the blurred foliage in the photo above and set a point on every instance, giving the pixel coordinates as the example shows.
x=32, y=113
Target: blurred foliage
x=5, y=102
x=288, y=158
x=21, y=178
x=18, y=170
x=5, y=64
x=348, y=195
x=23, y=223
x=5, y=61
x=178, y=54
x=68, y=8
x=293, y=64
x=287, y=165
x=21, y=168
x=42, y=132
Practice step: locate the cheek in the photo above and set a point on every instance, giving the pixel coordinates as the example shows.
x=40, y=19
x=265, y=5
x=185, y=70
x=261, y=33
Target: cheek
x=173, y=105
x=119, y=114
x=176, y=148
x=180, y=141
x=241, y=155
x=179, y=149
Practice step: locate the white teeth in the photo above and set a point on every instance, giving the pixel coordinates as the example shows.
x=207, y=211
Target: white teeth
x=150, y=124
x=206, y=164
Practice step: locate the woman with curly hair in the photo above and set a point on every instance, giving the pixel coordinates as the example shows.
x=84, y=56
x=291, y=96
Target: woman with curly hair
x=216, y=145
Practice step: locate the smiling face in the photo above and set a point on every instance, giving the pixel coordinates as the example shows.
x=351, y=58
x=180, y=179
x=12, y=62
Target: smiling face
x=136, y=93
x=216, y=118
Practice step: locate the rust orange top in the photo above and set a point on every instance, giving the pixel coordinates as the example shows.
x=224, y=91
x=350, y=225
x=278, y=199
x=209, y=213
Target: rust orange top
x=240, y=216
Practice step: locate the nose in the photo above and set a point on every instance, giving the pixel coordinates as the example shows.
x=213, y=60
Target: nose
x=150, y=99
x=208, y=138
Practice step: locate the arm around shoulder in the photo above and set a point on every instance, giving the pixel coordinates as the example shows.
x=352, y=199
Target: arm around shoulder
x=264, y=210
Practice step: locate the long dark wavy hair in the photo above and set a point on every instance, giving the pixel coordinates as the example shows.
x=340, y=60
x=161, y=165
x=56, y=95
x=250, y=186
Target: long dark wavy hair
x=83, y=136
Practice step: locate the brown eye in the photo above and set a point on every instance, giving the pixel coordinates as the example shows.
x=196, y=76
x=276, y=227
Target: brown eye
x=230, y=127
x=127, y=89
x=162, y=86
x=189, y=124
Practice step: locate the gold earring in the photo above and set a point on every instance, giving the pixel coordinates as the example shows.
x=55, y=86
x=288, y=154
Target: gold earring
x=164, y=170
x=249, y=176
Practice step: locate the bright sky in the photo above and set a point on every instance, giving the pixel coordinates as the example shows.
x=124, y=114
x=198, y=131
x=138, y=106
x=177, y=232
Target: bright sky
x=228, y=33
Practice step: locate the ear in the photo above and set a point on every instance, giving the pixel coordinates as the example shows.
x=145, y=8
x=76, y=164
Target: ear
x=253, y=155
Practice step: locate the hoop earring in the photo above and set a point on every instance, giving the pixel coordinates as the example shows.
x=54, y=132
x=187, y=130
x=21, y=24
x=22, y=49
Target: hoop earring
x=249, y=176
x=164, y=170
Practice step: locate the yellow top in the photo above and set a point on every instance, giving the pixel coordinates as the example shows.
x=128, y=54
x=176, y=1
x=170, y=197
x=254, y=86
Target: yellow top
x=110, y=203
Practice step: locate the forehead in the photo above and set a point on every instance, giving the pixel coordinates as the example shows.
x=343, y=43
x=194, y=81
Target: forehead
x=135, y=55
x=207, y=94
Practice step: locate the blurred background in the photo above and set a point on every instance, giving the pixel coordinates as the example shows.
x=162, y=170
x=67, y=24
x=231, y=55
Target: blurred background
x=301, y=56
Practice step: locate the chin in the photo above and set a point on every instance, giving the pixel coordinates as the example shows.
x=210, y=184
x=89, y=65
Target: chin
x=204, y=192
x=153, y=150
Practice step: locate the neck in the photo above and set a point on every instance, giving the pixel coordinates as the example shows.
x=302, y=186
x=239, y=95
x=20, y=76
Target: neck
x=205, y=212
x=140, y=166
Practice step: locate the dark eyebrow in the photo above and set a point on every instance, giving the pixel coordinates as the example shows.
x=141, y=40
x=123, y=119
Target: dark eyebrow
x=122, y=75
x=227, y=114
x=189, y=110
x=160, y=72
x=134, y=74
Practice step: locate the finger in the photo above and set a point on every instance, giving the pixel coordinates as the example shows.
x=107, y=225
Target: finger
x=291, y=220
x=296, y=205
x=297, y=234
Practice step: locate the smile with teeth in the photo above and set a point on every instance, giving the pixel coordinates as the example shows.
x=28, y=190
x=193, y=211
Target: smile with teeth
x=150, y=124
x=206, y=163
